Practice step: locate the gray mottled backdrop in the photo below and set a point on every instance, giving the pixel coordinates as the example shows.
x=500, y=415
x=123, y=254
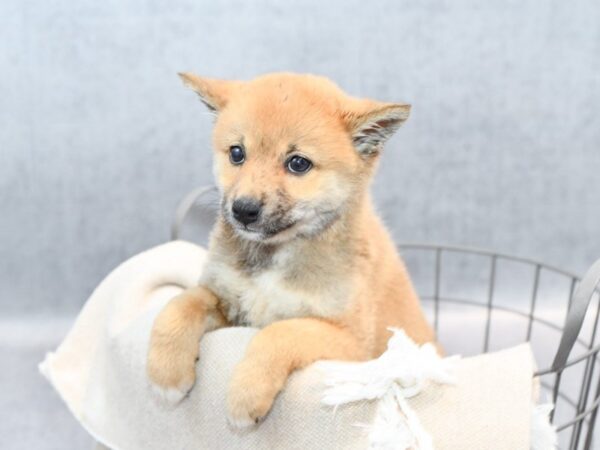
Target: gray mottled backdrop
x=98, y=139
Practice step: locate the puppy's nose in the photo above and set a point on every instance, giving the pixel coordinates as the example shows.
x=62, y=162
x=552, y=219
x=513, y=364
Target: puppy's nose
x=246, y=210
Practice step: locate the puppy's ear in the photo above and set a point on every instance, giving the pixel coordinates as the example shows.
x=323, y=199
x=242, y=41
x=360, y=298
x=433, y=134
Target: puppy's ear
x=371, y=124
x=214, y=93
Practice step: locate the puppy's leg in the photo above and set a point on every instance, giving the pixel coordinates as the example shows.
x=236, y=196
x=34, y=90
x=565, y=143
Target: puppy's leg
x=175, y=338
x=274, y=353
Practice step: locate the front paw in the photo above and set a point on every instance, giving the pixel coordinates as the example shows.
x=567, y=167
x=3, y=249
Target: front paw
x=252, y=390
x=171, y=370
x=172, y=356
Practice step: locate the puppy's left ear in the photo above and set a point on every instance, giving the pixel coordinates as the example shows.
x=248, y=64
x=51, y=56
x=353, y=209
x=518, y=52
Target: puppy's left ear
x=374, y=124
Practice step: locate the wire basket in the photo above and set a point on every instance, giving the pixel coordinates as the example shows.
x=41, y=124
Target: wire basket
x=480, y=301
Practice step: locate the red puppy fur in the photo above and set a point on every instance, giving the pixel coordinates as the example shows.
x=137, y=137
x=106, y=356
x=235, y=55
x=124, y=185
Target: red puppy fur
x=298, y=249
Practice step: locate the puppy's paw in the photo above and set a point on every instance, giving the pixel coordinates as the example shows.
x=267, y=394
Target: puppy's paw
x=251, y=395
x=171, y=395
x=171, y=369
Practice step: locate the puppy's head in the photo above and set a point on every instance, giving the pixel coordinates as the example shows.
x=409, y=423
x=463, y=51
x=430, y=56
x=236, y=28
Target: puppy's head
x=292, y=151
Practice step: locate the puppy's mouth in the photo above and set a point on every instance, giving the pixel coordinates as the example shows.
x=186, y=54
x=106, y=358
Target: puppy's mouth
x=273, y=231
x=280, y=227
x=263, y=232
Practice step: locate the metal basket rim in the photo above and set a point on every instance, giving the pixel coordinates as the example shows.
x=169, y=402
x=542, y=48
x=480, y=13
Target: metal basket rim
x=487, y=252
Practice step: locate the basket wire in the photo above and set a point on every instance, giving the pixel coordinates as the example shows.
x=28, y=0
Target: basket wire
x=580, y=406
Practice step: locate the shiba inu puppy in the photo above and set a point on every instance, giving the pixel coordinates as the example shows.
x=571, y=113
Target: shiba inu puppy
x=298, y=249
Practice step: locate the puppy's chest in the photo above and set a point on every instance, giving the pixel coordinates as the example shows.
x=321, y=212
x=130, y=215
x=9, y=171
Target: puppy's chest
x=260, y=298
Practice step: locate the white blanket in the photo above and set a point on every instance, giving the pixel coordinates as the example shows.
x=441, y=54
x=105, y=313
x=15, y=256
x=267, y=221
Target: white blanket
x=99, y=371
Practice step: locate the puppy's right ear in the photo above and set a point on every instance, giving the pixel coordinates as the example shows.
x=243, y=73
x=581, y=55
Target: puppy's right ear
x=214, y=93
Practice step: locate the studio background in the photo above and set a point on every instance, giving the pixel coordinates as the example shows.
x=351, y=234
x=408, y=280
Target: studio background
x=99, y=139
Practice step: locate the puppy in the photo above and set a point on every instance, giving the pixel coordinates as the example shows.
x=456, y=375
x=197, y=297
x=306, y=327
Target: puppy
x=298, y=249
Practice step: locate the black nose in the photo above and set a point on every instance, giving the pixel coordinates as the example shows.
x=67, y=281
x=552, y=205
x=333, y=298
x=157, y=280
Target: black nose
x=246, y=210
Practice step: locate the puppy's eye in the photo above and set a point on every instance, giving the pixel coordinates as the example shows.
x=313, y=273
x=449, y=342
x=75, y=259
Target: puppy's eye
x=236, y=154
x=298, y=164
